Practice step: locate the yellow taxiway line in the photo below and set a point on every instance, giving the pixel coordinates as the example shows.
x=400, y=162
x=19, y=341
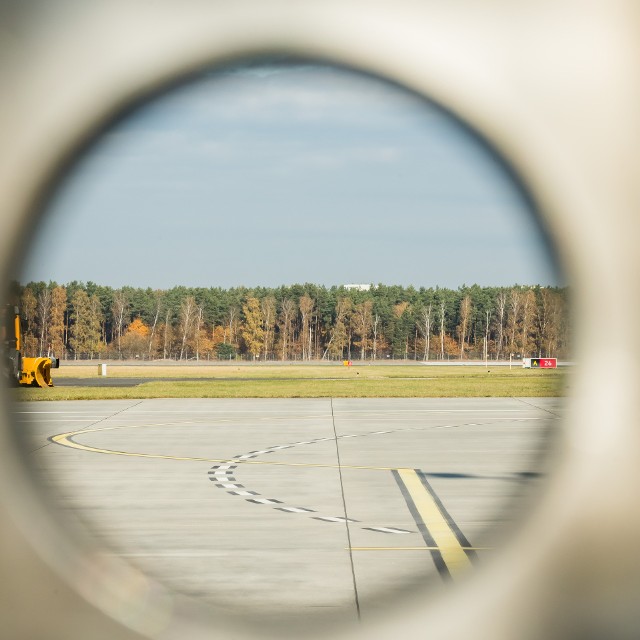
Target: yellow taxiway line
x=437, y=525
x=65, y=439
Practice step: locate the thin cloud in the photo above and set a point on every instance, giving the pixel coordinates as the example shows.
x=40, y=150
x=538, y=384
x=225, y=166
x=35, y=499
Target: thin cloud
x=306, y=94
x=270, y=166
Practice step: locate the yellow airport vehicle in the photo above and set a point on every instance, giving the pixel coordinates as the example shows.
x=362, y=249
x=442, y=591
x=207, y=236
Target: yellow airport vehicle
x=19, y=370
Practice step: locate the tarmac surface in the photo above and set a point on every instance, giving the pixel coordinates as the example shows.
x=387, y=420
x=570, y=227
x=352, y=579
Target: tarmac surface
x=296, y=508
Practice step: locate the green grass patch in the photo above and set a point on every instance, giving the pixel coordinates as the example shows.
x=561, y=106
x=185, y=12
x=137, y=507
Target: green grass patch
x=304, y=381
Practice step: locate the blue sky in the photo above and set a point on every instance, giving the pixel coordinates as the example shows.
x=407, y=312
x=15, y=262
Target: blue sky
x=275, y=175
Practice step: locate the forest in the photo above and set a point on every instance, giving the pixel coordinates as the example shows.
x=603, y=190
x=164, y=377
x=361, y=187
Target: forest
x=298, y=322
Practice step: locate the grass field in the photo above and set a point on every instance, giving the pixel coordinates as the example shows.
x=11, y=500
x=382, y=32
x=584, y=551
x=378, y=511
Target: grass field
x=307, y=381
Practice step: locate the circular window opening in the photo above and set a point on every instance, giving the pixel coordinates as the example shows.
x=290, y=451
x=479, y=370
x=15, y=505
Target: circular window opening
x=309, y=334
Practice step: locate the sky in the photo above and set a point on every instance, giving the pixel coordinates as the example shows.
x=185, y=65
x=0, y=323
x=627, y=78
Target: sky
x=281, y=174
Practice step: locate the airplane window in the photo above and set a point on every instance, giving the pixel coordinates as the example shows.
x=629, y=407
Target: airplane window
x=312, y=344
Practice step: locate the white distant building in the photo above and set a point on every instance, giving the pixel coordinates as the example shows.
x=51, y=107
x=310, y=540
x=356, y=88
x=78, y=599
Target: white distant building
x=358, y=287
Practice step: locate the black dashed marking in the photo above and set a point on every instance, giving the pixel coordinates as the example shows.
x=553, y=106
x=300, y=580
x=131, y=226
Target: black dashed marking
x=221, y=473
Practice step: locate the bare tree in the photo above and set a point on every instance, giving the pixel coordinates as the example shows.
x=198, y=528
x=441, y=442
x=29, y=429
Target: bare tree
x=501, y=306
x=362, y=321
x=424, y=325
x=528, y=306
x=187, y=316
x=463, y=327
x=44, y=318
x=119, y=309
x=513, y=320
x=268, y=306
x=232, y=324
x=338, y=336
x=306, y=311
x=198, y=324
x=376, y=322
x=155, y=320
x=443, y=311
x=167, y=330
x=287, y=312
x=551, y=318
x=487, y=322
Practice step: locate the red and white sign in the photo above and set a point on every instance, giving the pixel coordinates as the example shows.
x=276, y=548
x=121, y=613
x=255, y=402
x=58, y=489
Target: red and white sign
x=540, y=363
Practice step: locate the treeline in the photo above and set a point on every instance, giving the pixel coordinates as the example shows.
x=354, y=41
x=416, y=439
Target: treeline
x=299, y=322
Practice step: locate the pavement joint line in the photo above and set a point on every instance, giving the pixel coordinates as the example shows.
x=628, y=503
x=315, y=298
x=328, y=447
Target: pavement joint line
x=553, y=413
x=89, y=429
x=98, y=421
x=346, y=518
